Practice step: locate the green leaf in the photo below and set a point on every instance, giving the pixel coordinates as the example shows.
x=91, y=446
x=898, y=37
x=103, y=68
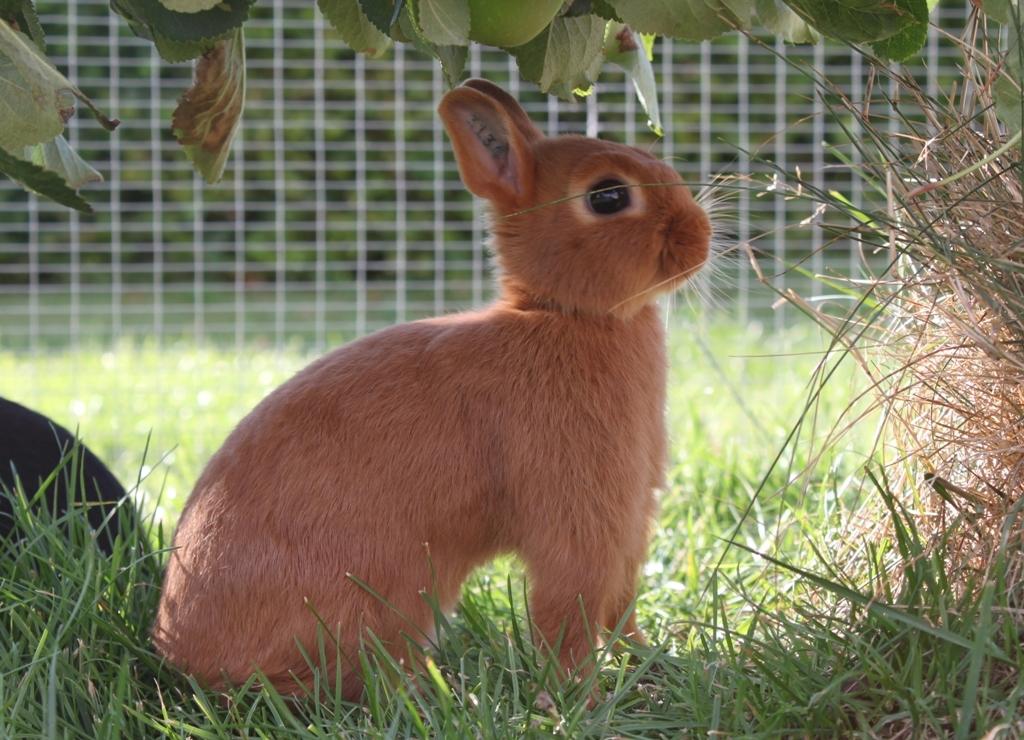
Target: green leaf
x=58, y=156
x=35, y=102
x=139, y=28
x=382, y=13
x=604, y=9
x=909, y=41
x=742, y=10
x=624, y=48
x=35, y=99
x=444, y=22
x=170, y=50
x=181, y=34
x=452, y=58
x=180, y=51
x=691, y=20
x=600, y=8
x=354, y=27
x=38, y=180
x=208, y=114
x=453, y=63
x=578, y=7
x=189, y=6
x=780, y=20
x=403, y=30
x=406, y=30
x=903, y=45
x=855, y=21
x=566, y=56
x=21, y=14
x=1001, y=10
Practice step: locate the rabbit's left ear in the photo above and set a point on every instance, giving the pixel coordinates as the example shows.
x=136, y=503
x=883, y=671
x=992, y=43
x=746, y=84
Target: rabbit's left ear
x=494, y=156
x=510, y=105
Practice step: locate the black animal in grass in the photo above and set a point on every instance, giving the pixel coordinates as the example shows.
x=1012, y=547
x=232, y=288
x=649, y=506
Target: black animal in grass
x=32, y=448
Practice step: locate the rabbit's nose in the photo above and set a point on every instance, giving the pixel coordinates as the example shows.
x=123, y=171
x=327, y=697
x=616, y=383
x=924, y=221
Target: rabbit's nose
x=692, y=229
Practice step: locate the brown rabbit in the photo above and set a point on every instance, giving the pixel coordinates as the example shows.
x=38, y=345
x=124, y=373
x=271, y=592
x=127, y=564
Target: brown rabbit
x=402, y=461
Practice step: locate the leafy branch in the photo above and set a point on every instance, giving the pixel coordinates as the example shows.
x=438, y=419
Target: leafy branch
x=561, y=45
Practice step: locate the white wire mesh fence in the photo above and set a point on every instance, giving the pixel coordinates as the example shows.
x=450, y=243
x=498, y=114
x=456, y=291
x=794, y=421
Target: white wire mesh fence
x=342, y=211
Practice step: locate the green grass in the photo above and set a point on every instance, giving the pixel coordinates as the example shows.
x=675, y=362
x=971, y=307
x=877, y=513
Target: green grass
x=740, y=644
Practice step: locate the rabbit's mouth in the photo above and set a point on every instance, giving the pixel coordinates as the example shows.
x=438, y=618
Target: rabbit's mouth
x=685, y=249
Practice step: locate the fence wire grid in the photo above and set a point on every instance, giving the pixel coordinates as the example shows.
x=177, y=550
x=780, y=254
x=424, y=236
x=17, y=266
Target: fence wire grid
x=342, y=211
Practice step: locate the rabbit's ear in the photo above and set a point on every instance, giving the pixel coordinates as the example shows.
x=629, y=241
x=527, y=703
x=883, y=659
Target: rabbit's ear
x=495, y=158
x=511, y=106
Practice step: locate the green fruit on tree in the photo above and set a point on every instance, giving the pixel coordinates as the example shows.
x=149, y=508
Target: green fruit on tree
x=508, y=23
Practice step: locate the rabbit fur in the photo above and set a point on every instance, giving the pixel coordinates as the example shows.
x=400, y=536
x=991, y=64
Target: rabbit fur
x=381, y=475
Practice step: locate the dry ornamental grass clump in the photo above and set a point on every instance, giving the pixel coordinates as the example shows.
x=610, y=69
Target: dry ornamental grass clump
x=940, y=330
x=952, y=348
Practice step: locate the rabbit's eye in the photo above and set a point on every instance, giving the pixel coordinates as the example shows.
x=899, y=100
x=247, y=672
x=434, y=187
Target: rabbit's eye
x=608, y=197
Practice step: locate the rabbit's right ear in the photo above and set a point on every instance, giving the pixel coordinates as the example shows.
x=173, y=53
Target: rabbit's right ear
x=494, y=154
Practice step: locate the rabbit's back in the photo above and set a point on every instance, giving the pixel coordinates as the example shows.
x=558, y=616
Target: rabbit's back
x=345, y=470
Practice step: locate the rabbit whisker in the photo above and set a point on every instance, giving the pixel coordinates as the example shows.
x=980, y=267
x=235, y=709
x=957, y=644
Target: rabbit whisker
x=666, y=281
